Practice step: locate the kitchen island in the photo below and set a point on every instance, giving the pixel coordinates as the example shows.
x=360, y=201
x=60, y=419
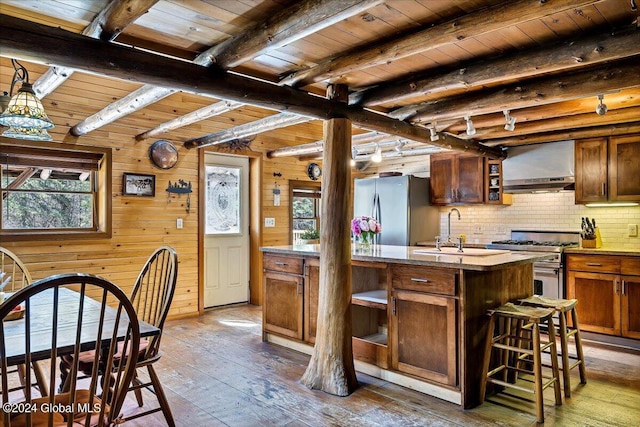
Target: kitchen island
x=418, y=318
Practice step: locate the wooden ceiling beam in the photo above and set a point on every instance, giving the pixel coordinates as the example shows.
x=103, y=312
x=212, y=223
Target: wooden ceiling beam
x=285, y=27
x=613, y=117
x=39, y=43
x=623, y=99
x=318, y=146
x=255, y=127
x=535, y=92
x=288, y=25
x=567, y=134
x=470, y=25
x=132, y=102
x=565, y=56
x=106, y=25
x=190, y=118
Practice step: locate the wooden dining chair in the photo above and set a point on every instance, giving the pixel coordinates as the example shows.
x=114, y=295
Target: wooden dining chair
x=14, y=275
x=65, y=314
x=151, y=296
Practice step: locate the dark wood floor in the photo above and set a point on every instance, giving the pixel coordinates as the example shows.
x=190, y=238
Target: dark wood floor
x=217, y=371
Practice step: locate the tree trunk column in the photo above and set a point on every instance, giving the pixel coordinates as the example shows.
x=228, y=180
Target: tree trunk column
x=331, y=366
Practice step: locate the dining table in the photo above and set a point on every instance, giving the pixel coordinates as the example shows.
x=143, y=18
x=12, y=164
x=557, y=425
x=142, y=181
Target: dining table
x=41, y=325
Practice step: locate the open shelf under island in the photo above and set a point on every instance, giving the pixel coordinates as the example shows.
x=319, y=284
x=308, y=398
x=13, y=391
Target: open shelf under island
x=419, y=320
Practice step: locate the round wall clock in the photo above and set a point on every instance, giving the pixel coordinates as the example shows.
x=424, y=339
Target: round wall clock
x=314, y=171
x=163, y=154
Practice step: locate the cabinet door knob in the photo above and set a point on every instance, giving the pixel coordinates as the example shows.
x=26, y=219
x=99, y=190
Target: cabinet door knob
x=604, y=189
x=624, y=287
x=594, y=264
x=414, y=279
x=280, y=263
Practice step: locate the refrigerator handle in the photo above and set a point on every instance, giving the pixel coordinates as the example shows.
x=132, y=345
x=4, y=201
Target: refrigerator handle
x=377, y=216
x=374, y=209
x=374, y=206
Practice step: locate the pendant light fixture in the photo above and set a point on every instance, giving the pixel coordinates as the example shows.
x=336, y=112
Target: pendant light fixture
x=24, y=114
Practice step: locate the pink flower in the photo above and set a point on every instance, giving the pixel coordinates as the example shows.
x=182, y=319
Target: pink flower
x=365, y=226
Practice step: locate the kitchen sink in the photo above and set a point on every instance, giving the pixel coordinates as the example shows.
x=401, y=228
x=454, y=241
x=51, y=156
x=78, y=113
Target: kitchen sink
x=454, y=251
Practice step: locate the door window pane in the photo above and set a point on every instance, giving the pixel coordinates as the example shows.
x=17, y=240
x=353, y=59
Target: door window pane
x=222, y=200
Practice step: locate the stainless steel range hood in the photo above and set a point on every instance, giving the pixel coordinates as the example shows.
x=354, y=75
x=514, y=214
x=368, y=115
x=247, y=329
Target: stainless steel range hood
x=539, y=168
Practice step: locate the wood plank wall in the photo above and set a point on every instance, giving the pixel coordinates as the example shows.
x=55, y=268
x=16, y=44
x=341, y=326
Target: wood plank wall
x=140, y=225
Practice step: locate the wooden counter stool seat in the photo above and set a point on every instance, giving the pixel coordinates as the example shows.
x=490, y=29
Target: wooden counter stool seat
x=564, y=308
x=515, y=346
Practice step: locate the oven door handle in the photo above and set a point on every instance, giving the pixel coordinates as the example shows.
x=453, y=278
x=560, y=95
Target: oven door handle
x=549, y=271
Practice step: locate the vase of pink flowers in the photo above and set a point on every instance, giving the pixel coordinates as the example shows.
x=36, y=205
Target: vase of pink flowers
x=364, y=228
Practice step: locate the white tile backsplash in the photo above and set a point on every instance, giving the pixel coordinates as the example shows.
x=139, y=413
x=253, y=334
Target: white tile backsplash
x=548, y=211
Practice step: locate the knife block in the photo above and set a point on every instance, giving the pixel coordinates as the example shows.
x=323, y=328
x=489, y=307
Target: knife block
x=593, y=243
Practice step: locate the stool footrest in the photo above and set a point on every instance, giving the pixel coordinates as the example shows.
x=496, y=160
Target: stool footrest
x=512, y=348
x=522, y=388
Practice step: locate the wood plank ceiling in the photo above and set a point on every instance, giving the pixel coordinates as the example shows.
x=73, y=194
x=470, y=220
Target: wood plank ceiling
x=415, y=68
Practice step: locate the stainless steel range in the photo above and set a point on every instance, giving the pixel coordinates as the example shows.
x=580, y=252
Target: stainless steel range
x=548, y=276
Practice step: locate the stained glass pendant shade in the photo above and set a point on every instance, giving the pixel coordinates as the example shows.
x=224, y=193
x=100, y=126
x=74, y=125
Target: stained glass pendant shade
x=25, y=110
x=33, y=134
x=25, y=116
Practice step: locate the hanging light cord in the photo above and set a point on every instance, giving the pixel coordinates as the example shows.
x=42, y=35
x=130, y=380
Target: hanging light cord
x=19, y=75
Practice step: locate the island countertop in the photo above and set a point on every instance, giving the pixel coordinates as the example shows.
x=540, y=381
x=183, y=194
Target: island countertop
x=408, y=255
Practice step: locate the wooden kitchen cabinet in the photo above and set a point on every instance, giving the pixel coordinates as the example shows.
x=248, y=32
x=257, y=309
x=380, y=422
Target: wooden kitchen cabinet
x=608, y=292
x=630, y=306
x=493, y=193
x=624, y=168
x=424, y=310
x=598, y=301
x=283, y=296
x=606, y=169
x=311, y=289
x=456, y=178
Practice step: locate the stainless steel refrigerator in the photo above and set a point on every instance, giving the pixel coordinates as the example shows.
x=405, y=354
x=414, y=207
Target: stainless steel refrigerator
x=401, y=205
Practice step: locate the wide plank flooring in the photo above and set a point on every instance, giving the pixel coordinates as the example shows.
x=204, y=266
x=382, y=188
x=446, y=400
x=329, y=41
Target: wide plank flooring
x=216, y=371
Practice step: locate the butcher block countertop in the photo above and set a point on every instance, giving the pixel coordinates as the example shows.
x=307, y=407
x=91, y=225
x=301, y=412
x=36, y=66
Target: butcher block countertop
x=604, y=251
x=411, y=255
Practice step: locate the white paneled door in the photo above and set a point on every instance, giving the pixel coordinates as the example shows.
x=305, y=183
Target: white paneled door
x=226, y=240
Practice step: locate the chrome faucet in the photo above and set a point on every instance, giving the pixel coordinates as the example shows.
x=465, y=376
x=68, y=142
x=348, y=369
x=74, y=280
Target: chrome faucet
x=449, y=223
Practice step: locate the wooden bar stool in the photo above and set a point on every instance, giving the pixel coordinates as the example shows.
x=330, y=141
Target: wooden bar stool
x=515, y=346
x=563, y=308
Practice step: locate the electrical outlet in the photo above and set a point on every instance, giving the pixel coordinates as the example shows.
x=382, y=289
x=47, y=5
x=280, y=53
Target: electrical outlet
x=179, y=223
x=269, y=222
x=478, y=229
x=633, y=230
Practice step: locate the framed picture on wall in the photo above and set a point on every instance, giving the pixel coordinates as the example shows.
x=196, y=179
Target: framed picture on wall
x=138, y=184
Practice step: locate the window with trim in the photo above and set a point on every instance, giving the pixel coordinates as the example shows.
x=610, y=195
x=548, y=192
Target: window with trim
x=54, y=191
x=305, y=208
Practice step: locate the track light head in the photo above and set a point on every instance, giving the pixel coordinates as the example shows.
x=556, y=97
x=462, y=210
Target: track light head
x=510, y=124
x=470, y=129
x=434, y=134
x=601, y=108
x=377, y=155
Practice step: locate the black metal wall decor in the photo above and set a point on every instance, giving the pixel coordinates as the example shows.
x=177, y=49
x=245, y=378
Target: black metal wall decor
x=181, y=187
